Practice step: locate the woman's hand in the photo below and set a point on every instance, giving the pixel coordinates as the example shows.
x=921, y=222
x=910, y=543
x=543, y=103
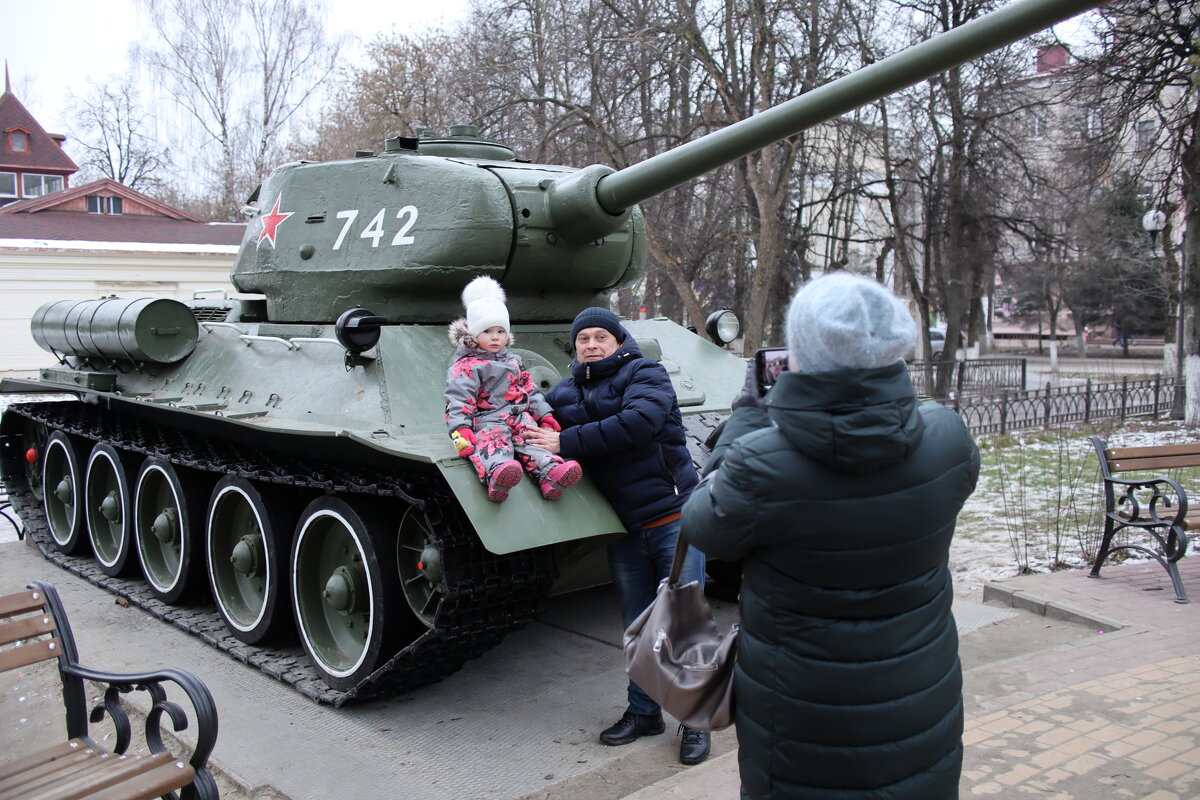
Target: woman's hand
x=750, y=395
x=544, y=438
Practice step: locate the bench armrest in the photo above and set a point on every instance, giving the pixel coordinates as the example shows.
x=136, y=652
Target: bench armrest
x=1143, y=511
x=204, y=708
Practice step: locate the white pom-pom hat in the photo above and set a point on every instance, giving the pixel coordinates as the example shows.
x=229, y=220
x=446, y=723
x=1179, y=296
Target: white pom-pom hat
x=484, y=301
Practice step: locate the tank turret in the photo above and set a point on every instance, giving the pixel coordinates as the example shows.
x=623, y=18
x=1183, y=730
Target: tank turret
x=401, y=231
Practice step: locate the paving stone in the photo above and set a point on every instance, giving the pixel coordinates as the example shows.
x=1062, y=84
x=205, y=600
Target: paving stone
x=1105, y=717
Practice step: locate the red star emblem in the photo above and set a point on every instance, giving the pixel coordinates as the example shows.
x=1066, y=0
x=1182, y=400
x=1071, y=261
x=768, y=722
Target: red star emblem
x=271, y=222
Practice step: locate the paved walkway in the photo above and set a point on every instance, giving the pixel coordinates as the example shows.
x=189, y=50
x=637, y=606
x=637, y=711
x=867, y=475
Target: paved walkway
x=1115, y=715
x=1101, y=701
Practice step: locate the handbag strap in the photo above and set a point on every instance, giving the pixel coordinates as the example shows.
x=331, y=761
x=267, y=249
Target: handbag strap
x=681, y=548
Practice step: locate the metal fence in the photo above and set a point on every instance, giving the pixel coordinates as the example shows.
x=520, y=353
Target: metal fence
x=1070, y=405
x=969, y=377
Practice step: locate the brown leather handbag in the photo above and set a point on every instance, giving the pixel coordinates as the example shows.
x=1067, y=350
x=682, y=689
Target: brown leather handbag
x=674, y=651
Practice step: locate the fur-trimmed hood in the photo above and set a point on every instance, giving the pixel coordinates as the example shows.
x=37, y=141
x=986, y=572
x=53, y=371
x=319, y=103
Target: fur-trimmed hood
x=462, y=339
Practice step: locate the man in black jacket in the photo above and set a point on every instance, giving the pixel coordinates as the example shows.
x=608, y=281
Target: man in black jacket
x=620, y=418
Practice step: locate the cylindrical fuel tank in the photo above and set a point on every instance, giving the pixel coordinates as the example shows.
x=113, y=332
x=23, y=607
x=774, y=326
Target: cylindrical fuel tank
x=150, y=329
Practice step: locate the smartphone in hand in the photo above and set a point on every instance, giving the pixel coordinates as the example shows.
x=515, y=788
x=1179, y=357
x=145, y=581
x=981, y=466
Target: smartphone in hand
x=768, y=364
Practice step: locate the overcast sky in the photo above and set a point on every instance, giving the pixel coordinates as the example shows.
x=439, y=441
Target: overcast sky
x=53, y=46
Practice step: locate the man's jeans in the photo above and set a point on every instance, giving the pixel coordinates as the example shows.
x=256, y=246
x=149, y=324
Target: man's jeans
x=639, y=561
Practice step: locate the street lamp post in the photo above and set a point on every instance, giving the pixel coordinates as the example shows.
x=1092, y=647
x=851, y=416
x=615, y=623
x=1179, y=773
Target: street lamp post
x=1153, y=222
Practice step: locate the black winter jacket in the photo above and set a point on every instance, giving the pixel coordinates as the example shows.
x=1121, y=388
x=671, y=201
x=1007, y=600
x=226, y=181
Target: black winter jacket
x=621, y=419
x=842, y=498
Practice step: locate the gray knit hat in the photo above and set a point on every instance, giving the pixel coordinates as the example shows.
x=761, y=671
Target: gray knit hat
x=842, y=321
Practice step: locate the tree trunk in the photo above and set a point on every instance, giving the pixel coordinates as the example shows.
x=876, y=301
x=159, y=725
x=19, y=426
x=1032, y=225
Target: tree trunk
x=766, y=271
x=1191, y=265
x=673, y=267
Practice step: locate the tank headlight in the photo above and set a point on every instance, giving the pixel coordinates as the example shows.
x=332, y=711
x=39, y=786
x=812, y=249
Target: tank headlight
x=722, y=326
x=358, y=330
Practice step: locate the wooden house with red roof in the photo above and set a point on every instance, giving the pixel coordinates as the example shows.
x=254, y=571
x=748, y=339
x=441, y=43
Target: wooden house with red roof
x=32, y=162
x=62, y=242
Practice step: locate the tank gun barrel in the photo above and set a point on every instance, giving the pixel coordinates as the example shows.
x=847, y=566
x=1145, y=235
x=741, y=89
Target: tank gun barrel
x=638, y=182
x=617, y=191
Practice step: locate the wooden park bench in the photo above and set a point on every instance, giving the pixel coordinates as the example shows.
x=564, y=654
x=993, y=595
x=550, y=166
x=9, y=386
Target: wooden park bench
x=34, y=628
x=1157, y=506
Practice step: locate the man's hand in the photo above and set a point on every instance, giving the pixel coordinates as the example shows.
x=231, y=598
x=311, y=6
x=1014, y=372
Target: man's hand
x=464, y=441
x=544, y=438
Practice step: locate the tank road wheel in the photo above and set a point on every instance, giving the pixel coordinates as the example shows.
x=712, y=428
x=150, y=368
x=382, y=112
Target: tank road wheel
x=62, y=480
x=247, y=539
x=419, y=562
x=340, y=592
x=168, y=529
x=108, y=500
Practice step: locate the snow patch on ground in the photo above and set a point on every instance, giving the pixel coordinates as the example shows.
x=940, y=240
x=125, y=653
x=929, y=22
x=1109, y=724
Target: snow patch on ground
x=1024, y=516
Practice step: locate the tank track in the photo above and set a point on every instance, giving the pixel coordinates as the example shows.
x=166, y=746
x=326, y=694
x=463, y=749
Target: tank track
x=486, y=596
x=701, y=431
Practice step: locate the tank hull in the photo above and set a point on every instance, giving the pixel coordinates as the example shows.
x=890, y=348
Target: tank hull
x=242, y=407
x=254, y=382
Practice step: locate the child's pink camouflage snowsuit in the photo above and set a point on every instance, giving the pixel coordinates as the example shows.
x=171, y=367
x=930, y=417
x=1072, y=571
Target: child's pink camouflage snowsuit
x=494, y=395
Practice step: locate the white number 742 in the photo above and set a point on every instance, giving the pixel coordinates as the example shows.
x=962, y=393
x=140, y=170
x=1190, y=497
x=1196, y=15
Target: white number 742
x=374, y=230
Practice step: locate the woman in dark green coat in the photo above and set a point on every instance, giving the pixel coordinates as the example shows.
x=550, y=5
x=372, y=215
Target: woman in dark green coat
x=840, y=495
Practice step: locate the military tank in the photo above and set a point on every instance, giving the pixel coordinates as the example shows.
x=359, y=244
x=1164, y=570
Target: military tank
x=276, y=467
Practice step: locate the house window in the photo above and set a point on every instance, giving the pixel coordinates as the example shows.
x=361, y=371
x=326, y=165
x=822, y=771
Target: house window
x=38, y=185
x=18, y=142
x=1145, y=134
x=8, y=187
x=1093, y=124
x=105, y=205
x=1037, y=123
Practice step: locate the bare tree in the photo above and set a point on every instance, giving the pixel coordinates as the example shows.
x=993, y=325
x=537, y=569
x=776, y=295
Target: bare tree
x=202, y=60
x=1149, y=63
x=241, y=69
x=110, y=129
x=1072, y=168
x=755, y=55
x=644, y=96
x=573, y=82
x=405, y=86
x=293, y=60
x=955, y=152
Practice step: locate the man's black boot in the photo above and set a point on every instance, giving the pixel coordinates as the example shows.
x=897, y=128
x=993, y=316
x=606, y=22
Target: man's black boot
x=695, y=745
x=630, y=727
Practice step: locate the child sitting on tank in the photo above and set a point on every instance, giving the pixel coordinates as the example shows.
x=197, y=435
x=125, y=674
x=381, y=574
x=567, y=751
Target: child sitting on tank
x=491, y=399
